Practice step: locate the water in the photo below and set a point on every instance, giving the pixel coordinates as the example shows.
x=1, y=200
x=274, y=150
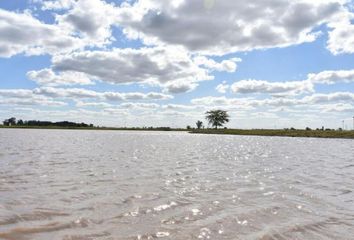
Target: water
x=76, y=185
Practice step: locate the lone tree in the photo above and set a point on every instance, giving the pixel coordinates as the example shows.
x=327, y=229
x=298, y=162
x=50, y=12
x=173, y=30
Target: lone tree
x=199, y=124
x=217, y=118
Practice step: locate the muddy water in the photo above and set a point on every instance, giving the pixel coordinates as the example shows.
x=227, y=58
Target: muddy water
x=57, y=184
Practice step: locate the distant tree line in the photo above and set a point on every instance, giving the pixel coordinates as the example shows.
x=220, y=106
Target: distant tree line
x=35, y=123
x=317, y=129
x=155, y=128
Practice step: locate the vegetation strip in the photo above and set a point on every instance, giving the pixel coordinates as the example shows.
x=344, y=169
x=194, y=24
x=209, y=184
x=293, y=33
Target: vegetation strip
x=281, y=133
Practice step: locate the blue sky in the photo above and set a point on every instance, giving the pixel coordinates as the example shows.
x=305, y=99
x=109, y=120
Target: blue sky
x=164, y=63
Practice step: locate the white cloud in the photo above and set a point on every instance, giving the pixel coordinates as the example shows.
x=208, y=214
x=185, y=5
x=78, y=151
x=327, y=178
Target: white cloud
x=308, y=101
x=116, y=96
x=31, y=102
x=179, y=87
x=286, y=88
x=139, y=106
x=22, y=33
x=170, y=67
x=213, y=101
x=259, y=86
x=83, y=23
x=26, y=97
x=332, y=77
x=56, y=4
x=157, y=96
x=223, y=66
x=93, y=104
x=341, y=35
x=223, y=87
x=226, y=26
x=90, y=19
x=340, y=108
x=223, y=27
x=49, y=78
x=179, y=107
x=329, y=98
x=16, y=93
x=66, y=92
x=80, y=93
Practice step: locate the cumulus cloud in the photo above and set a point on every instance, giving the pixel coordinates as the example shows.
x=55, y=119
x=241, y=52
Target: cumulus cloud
x=22, y=33
x=229, y=65
x=259, y=86
x=223, y=27
x=308, y=101
x=223, y=87
x=175, y=87
x=328, y=98
x=49, y=78
x=332, y=77
x=91, y=19
x=26, y=97
x=93, y=104
x=66, y=92
x=226, y=26
x=31, y=102
x=83, y=23
x=170, y=67
x=56, y=4
x=283, y=89
x=340, y=108
x=16, y=93
x=80, y=93
x=139, y=106
x=179, y=107
x=341, y=35
x=116, y=96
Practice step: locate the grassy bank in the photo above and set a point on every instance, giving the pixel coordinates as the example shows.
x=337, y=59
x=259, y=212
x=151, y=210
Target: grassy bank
x=284, y=133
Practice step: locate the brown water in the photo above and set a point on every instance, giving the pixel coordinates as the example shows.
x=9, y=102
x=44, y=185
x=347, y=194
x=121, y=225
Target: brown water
x=57, y=184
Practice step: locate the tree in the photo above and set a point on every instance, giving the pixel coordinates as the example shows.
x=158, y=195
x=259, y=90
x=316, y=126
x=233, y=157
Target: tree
x=217, y=118
x=10, y=121
x=199, y=124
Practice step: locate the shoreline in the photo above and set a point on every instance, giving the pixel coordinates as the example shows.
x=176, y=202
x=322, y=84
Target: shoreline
x=164, y=129
x=239, y=132
x=279, y=133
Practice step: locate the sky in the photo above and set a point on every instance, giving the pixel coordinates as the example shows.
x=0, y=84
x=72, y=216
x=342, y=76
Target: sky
x=269, y=63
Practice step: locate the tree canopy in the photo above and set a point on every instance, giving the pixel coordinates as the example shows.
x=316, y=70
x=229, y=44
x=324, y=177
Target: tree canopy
x=217, y=118
x=199, y=124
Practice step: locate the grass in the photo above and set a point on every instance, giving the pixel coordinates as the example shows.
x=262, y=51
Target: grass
x=283, y=133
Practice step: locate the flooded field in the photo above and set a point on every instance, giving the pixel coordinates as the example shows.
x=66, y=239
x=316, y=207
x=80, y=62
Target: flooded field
x=110, y=185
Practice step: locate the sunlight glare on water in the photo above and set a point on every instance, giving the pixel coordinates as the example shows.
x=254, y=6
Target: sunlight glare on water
x=58, y=184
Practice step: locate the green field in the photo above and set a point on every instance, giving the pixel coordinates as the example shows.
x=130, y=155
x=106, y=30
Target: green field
x=284, y=133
